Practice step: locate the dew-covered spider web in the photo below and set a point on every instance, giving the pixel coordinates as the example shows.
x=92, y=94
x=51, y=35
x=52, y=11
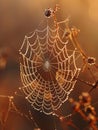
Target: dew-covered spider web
x=48, y=67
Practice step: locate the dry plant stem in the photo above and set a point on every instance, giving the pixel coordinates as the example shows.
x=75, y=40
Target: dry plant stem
x=82, y=114
x=75, y=41
x=56, y=24
x=91, y=125
x=94, y=127
x=3, y=122
x=77, y=45
x=55, y=19
x=70, y=123
x=9, y=106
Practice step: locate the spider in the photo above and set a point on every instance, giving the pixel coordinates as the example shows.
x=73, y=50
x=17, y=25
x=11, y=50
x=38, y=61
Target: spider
x=51, y=12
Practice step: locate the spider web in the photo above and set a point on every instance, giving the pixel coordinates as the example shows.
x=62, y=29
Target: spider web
x=48, y=68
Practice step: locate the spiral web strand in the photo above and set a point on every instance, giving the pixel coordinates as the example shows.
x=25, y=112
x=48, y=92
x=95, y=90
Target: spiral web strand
x=48, y=68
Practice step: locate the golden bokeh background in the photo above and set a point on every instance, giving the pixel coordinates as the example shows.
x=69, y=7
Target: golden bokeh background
x=17, y=18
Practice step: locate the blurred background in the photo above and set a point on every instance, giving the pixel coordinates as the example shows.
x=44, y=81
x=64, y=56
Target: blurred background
x=17, y=18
